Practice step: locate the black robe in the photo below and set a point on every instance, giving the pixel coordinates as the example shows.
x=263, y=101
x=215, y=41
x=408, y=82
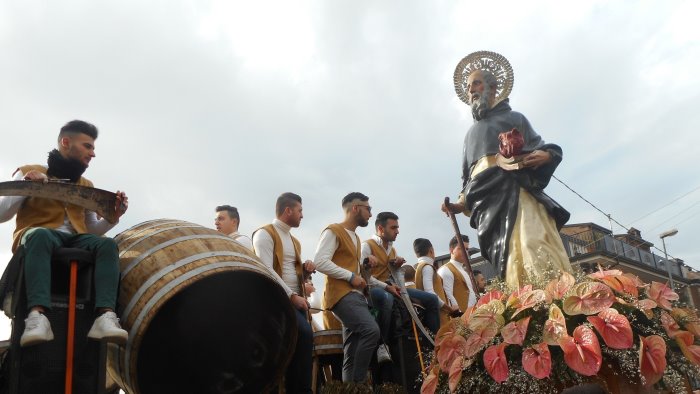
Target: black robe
x=492, y=195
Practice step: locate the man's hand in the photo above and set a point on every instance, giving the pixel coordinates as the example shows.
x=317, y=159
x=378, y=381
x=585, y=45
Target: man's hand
x=393, y=289
x=35, y=175
x=309, y=266
x=398, y=262
x=452, y=207
x=299, y=302
x=358, y=283
x=309, y=288
x=122, y=203
x=373, y=261
x=451, y=309
x=536, y=159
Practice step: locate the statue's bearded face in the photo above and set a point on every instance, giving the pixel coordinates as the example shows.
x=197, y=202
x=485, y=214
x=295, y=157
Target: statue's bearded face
x=481, y=94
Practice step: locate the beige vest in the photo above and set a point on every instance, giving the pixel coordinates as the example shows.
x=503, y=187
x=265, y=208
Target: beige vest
x=347, y=256
x=381, y=270
x=437, y=286
x=43, y=212
x=278, y=253
x=460, y=291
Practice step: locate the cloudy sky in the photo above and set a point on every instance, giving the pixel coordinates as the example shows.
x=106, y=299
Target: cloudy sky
x=202, y=103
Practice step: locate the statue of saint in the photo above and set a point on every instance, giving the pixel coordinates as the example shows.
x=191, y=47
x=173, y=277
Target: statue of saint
x=506, y=166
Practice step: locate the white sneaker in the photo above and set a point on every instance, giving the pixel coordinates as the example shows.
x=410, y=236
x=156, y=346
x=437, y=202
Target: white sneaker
x=107, y=328
x=37, y=329
x=383, y=355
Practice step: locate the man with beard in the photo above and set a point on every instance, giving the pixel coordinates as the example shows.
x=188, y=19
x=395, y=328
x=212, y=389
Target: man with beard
x=503, y=183
x=281, y=251
x=380, y=251
x=44, y=225
x=338, y=256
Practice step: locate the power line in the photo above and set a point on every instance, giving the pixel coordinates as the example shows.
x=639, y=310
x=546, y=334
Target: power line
x=660, y=208
x=609, y=216
x=688, y=218
x=674, y=216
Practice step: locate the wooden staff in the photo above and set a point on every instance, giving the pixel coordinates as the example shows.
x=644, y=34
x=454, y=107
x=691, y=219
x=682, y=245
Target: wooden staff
x=460, y=243
x=301, y=277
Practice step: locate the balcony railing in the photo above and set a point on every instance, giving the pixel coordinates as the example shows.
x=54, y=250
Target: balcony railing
x=590, y=242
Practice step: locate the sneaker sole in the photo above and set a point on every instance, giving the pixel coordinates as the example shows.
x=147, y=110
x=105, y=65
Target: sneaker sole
x=117, y=339
x=34, y=341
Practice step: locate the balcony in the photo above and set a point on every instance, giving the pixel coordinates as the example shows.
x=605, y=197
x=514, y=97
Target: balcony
x=590, y=242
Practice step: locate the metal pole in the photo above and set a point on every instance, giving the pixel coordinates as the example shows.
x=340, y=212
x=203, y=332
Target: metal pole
x=668, y=264
x=669, y=233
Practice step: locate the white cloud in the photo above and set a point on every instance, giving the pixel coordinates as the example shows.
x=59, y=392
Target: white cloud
x=205, y=103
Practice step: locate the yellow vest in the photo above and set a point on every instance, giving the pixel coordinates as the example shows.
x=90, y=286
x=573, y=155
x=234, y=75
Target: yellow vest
x=381, y=270
x=347, y=256
x=43, y=212
x=278, y=252
x=330, y=322
x=460, y=291
x=437, y=286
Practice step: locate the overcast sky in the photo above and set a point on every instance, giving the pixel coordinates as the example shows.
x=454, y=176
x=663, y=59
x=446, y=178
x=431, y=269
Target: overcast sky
x=202, y=103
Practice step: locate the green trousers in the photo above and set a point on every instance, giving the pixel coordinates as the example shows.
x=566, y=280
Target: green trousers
x=39, y=244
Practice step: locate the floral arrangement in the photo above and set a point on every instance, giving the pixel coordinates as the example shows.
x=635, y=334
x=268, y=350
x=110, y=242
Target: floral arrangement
x=546, y=339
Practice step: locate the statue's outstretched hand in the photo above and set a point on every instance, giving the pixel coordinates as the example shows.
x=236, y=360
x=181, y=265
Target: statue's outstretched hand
x=452, y=207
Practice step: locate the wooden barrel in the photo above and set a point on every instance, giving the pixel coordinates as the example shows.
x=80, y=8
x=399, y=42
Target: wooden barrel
x=203, y=314
x=328, y=342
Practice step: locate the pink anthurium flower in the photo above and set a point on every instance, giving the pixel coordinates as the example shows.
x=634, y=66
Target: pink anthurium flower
x=513, y=298
x=652, y=358
x=554, y=327
x=582, y=351
x=430, y=383
x=662, y=295
x=445, y=331
x=514, y=332
x=688, y=318
x=486, y=315
x=537, y=361
x=529, y=299
x=614, y=328
x=455, y=374
x=556, y=288
x=488, y=297
x=496, y=363
x=603, y=273
x=646, y=305
x=478, y=339
x=670, y=325
x=622, y=284
x=450, y=348
x=589, y=298
x=685, y=342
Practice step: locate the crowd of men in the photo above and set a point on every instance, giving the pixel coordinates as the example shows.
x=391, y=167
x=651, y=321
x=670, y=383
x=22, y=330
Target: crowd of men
x=442, y=291
x=44, y=225
x=504, y=175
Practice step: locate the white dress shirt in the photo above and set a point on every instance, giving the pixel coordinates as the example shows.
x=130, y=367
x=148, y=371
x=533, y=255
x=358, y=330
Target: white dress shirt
x=264, y=249
x=10, y=205
x=242, y=239
x=427, y=273
x=448, y=282
x=325, y=250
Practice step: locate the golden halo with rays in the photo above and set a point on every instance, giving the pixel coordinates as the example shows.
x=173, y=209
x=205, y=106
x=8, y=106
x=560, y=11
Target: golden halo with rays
x=492, y=62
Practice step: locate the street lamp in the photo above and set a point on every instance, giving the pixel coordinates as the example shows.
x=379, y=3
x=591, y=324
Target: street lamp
x=669, y=233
